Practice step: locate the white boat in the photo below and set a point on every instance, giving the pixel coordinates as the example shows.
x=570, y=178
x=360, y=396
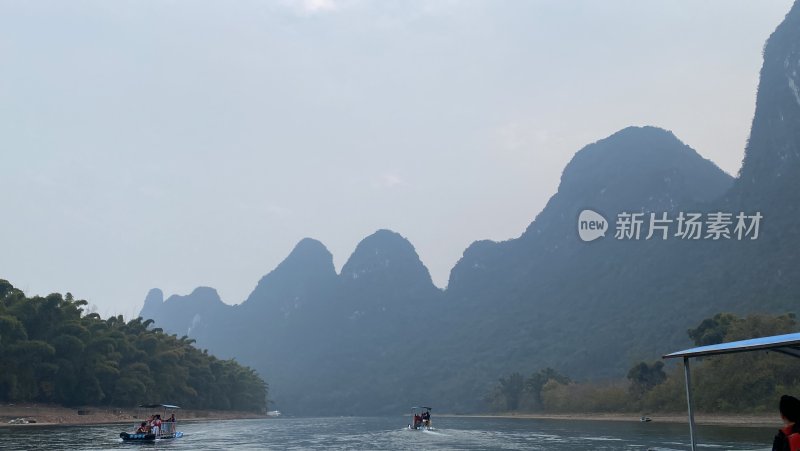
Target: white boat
x=274, y=413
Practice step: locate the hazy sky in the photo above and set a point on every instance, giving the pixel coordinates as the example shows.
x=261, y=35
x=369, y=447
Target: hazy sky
x=174, y=144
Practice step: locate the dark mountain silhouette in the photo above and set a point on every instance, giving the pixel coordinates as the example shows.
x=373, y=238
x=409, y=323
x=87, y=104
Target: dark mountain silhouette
x=379, y=336
x=638, y=169
x=385, y=276
x=194, y=315
x=331, y=333
x=381, y=326
x=772, y=157
x=302, y=281
x=548, y=299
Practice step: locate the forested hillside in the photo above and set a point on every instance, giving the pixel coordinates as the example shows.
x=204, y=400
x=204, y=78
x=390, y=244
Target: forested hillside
x=52, y=351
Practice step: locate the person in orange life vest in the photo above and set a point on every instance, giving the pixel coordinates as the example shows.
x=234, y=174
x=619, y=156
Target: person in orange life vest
x=788, y=437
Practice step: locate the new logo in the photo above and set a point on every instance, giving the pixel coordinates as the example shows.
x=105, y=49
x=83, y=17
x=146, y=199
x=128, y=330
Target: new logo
x=591, y=225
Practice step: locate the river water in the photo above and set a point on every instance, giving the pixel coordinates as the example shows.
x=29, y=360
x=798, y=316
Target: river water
x=389, y=433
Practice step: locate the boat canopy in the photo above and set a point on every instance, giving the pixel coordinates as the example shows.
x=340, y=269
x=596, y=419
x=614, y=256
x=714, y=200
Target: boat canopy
x=421, y=407
x=785, y=344
x=788, y=344
x=155, y=406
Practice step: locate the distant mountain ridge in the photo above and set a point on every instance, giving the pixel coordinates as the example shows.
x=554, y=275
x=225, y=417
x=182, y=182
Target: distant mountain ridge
x=204, y=304
x=383, y=303
x=669, y=175
x=380, y=336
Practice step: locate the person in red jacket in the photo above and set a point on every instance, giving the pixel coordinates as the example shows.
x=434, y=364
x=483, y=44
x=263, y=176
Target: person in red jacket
x=788, y=437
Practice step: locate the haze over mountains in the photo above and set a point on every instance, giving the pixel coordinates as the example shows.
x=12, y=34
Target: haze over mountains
x=379, y=336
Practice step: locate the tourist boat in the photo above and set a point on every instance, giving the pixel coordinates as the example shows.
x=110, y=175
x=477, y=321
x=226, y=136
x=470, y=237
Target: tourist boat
x=166, y=431
x=420, y=411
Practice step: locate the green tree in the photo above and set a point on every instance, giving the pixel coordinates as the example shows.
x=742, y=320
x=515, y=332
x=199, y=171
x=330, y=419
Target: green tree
x=537, y=381
x=511, y=388
x=644, y=377
x=712, y=331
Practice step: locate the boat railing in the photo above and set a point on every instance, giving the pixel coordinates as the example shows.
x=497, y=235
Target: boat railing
x=167, y=428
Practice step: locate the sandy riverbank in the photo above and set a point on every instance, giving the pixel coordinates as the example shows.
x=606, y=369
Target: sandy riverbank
x=48, y=415
x=760, y=420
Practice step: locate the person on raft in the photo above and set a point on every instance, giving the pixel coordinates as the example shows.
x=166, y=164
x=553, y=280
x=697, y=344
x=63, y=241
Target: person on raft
x=426, y=418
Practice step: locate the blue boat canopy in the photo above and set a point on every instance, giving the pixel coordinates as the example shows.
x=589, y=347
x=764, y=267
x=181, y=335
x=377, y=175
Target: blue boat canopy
x=788, y=344
x=155, y=406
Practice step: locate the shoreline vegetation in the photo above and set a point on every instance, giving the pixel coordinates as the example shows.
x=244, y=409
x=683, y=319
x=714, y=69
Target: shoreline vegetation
x=706, y=419
x=53, y=352
x=729, y=389
x=56, y=415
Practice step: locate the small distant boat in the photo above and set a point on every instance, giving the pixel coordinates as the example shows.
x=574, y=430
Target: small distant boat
x=420, y=418
x=645, y=419
x=166, y=431
x=274, y=413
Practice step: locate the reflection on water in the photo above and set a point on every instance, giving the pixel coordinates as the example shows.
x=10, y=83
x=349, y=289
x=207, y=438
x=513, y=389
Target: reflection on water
x=388, y=433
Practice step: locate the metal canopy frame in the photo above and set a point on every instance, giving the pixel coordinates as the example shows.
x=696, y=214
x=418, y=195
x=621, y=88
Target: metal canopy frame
x=788, y=344
x=155, y=406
